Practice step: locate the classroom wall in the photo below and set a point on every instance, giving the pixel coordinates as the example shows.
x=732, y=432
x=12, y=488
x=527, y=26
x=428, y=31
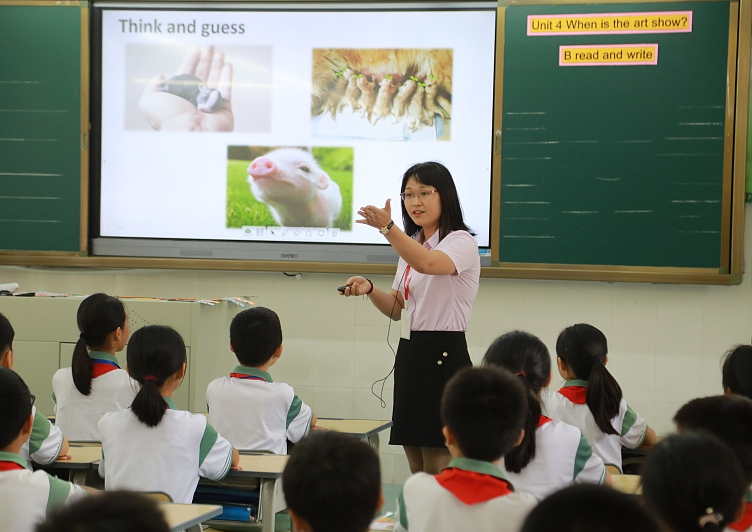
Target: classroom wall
x=665, y=341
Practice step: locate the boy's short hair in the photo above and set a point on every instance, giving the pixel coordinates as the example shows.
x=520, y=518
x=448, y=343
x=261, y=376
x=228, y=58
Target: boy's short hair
x=590, y=507
x=109, y=511
x=485, y=410
x=333, y=482
x=255, y=334
x=6, y=335
x=15, y=406
x=728, y=418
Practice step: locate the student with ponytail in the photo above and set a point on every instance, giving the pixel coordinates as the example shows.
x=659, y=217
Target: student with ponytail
x=95, y=384
x=552, y=454
x=591, y=399
x=152, y=446
x=737, y=371
x=693, y=482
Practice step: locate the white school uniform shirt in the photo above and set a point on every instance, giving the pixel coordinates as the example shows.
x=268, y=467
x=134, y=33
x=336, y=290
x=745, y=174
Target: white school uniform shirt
x=562, y=457
x=78, y=415
x=631, y=427
x=169, y=457
x=462, y=498
x=255, y=413
x=43, y=447
x=442, y=302
x=26, y=497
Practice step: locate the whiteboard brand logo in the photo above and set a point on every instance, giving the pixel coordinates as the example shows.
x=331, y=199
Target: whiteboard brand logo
x=289, y=255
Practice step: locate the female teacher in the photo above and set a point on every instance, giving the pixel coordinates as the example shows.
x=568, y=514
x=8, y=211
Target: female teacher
x=433, y=293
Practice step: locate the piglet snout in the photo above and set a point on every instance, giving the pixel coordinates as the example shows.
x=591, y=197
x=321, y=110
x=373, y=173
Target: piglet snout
x=261, y=167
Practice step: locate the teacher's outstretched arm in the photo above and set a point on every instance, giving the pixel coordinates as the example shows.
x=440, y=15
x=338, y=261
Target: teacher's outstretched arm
x=419, y=258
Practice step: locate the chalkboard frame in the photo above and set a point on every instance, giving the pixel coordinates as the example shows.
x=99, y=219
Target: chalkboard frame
x=737, y=101
x=82, y=229
x=739, y=63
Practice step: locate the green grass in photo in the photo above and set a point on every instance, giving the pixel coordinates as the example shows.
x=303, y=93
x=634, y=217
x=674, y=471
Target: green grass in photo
x=243, y=209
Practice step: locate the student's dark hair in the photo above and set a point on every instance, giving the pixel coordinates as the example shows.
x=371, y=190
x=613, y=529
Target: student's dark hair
x=737, y=370
x=108, y=511
x=590, y=507
x=437, y=176
x=255, y=334
x=524, y=355
x=728, y=418
x=155, y=353
x=691, y=476
x=333, y=481
x=485, y=409
x=584, y=348
x=98, y=316
x=15, y=406
x=6, y=335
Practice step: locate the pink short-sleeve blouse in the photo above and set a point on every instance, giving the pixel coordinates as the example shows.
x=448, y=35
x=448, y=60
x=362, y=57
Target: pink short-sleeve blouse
x=443, y=302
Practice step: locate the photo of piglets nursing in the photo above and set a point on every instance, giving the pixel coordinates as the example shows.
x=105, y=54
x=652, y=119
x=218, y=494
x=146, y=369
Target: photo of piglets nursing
x=382, y=94
x=289, y=186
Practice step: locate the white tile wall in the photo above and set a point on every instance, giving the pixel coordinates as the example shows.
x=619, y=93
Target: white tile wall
x=666, y=341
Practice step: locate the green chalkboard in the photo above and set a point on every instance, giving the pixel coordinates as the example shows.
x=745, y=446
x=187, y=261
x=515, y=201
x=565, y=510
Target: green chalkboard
x=616, y=165
x=40, y=127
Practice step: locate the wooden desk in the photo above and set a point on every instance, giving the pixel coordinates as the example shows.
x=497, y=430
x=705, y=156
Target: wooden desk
x=83, y=459
x=365, y=429
x=188, y=516
x=267, y=470
x=629, y=484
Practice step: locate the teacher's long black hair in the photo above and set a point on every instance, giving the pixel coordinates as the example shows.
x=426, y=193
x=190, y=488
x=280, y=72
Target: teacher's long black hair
x=436, y=175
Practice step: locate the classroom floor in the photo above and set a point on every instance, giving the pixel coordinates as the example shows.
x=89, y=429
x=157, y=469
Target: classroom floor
x=391, y=492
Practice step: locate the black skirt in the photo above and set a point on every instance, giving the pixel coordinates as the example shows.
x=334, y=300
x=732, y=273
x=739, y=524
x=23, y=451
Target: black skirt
x=423, y=366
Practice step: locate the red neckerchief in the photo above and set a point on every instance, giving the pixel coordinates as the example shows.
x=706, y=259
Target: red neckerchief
x=543, y=420
x=471, y=487
x=10, y=466
x=746, y=521
x=101, y=367
x=247, y=377
x=576, y=394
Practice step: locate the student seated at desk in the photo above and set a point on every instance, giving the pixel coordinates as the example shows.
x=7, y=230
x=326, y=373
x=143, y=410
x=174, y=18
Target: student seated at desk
x=591, y=399
x=248, y=408
x=483, y=411
x=728, y=418
x=25, y=497
x=588, y=507
x=152, y=446
x=95, y=384
x=693, y=482
x=47, y=442
x=114, y=511
x=332, y=481
x=552, y=454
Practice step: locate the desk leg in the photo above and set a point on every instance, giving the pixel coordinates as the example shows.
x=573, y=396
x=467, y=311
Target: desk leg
x=194, y=528
x=78, y=476
x=267, y=505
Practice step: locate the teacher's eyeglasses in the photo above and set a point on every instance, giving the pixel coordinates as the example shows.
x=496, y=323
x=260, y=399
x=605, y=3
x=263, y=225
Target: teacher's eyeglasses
x=423, y=195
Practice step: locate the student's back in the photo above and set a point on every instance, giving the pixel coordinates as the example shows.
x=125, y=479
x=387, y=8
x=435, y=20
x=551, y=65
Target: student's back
x=483, y=411
x=247, y=407
x=552, y=454
x=25, y=496
x=591, y=399
x=152, y=446
x=95, y=384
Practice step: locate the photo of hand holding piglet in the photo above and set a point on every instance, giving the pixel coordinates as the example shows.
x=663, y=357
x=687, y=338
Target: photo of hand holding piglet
x=387, y=94
x=290, y=187
x=197, y=98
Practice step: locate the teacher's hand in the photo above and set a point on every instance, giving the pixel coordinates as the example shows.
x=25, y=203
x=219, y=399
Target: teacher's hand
x=356, y=286
x=376, y=217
